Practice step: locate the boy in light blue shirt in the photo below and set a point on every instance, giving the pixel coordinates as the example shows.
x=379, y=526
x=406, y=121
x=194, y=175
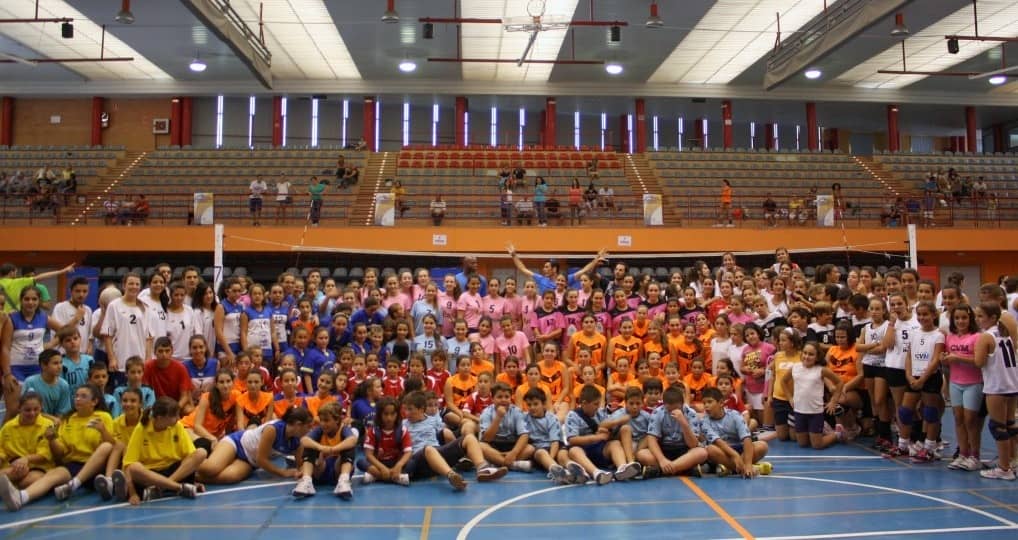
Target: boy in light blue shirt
x=734, y=450
x=54, y=392
x=591, y=446
x=672, y=443
x=504, y=433
x=546, y=437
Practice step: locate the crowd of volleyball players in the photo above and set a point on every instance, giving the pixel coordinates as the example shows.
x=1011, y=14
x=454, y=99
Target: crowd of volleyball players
x=171, y=385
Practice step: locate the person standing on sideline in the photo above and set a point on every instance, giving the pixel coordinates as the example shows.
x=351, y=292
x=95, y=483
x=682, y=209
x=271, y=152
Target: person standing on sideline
x=283, y=198
x=726, y=204
x=540, y=200
x=316, y=189
x=254, y=200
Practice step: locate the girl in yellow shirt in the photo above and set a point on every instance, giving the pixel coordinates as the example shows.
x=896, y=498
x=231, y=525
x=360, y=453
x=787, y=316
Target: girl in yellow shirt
x=114, y=483
x=23, y=446
x=83, y=444
x=161, y=456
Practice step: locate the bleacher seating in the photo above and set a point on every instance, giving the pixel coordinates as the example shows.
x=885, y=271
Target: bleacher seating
x=177, y=174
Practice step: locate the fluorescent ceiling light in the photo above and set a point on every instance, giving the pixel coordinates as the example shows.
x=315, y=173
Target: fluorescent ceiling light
x=406, y=66
x=492, y=41
x=302, y=37
x=925, y=50
x=998, y=80
x=45, y=40
x=731, y=37
x=813, y=73
x=613, y=68
x=197, y=65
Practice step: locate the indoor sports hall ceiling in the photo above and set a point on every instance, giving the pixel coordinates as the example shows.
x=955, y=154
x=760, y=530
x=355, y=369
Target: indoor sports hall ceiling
x=704, y=48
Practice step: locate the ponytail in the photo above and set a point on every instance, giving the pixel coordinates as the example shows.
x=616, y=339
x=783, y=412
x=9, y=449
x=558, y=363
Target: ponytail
x=164, y=406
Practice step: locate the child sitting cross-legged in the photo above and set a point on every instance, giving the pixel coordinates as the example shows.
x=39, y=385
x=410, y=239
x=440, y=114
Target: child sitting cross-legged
x=672, y=443
x=591, y=446
x=734, y=450
x=504, y=432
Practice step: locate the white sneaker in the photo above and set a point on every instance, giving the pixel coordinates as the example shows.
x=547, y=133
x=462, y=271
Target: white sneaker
x=490, y=474
x=368, y=478
x=103, y=486
x=343, y=489
x=559, y=474
x=522, y=466
x=971, y=463
x=10, y=494
x=603, y=477
x=914, y=448
x=627, y=471
x=958, y=463
x=578, y=474
x=305, y=488
x=62, y=492
x=997, y=473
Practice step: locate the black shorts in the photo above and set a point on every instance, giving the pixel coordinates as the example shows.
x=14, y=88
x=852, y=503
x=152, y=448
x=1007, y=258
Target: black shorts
x=871, y=372
x=674, y=451
x=933, y=385
x=782, y=409
x=254, y=203
x=288, y=200
x=595, y=453
x=451, y=452
x=75, y=467
x=167, y=472
x=502, y=446
x=809, y=423
x=895, y=377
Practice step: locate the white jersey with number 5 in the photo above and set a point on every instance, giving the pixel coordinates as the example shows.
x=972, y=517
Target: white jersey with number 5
x=1000, y=374
x=921, y=348
x=895, y=356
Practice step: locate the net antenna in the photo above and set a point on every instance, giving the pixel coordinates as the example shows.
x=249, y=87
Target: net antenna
x=535, y=21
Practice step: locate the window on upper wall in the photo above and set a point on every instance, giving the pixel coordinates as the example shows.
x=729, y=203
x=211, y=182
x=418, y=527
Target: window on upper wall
x=654, y=121
x=576, y=130
x=604, y=129
x=284, y=120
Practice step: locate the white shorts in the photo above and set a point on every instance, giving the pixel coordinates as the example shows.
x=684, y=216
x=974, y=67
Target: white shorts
x=755, y=401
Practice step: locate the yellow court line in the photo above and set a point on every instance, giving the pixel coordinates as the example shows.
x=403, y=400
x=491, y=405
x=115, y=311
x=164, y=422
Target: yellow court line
x=997, y=502
x=716, y=508
x=426, y=526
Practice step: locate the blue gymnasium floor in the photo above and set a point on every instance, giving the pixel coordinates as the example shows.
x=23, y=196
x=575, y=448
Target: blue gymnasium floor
x=847, y=491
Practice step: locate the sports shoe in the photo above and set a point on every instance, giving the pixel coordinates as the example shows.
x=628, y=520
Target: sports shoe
x=559, y=474
x=151, y=493
x=722, y=471
x=577, y=472
x=997, y=473
x=343, y=488
x=958, y=463
x=119, y=485
x=456, y=481
x=603, y=477
x=522, y=466
x=923, y=456
x=972, y=464
x=305, y=488
x=10, y=494
x=764, y=468
x=895, y=451
x=696, y=470
x=650, y=471
x=368, y=478
x=627, y=471
x=188, y=491
x=914, y=448
x=103, y=486
x=853, y=433
x=62, y=492
x=403, y=480
x=490, y=474
x=464, y=465
x=882, y=444
x=839, y=430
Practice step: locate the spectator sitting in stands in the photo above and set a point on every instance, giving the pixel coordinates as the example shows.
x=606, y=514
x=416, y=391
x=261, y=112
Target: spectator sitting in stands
x=437, y=210
x=4, y=180
x=519, y=173
x=796, y=211
x=399, y=198
x=592, y=169
x=44, y=200
x=590, y=197
x=979, y=188
x=141, y=209
x=554, y=209
x=361, y=145
x=525, y=211
x=111, y=209
x=770, y=211
x=126, y=211
x=606, y=198
x=67, y=185
x=350, y=176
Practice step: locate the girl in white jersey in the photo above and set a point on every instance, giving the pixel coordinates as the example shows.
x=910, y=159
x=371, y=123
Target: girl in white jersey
x=179, y=321
x=227, y=322
x=871, y=346
x=126, y=331
x=922, y=371
x=156, y=301
x=901, y=327
x=995, y=355
x=203, y=306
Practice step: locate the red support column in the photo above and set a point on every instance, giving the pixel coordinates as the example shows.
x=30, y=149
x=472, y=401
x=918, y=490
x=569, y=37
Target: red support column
x=726, y=123
x=543, y=127
x=175, y=121
x=7, y=121
x=368, y=131
x=640, y=125
x=186, y=111
x=277, y=121
x=97, y=127
x=812, y=139
x=893, y=141
x=769, y=136
x=550, y=140
x=624, y=133
x=461, y=121
x=1000, y=144
x=970, y=129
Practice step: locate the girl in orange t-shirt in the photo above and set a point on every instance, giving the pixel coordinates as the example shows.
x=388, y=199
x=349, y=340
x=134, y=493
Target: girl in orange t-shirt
x=553, y=374
x=587, y=375
x=289, y=398
x=588, y=338
x=641, y=324
x=255, y=406
x=705, y=333
x=621, y=379
x=215, y=414
x=624, y=345
x=685, y=348
x=533, y=381
x=459, y=387
x=510, y=373
x=697, y=380
x=326, y=382
x=655, y=342
x=654, y=368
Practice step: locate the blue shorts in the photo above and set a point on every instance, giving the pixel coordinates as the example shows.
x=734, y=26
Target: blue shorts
x=234, y=438
x=674, y=451
x=968, y=396
x=23, y=372
x=595, y=452
x=75, y=467
x=234, y=348
x=809, y=423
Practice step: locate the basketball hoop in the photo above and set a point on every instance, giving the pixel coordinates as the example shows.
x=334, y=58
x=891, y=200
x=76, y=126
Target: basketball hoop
x=535, y=23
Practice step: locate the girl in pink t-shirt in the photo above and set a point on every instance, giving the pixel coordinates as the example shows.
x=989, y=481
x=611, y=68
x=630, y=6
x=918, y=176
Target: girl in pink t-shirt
x=966, y=386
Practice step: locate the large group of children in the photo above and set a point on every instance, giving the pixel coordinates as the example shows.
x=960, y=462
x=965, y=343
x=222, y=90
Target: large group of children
x=590, y=378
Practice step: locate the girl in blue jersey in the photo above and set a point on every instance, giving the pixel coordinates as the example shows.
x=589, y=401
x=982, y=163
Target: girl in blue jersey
x=256, y=325
x=227, y=321
x=237, y=455
x=23, y=337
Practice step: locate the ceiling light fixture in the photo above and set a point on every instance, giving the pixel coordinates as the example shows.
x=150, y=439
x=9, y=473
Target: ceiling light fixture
x=67, y=30
x=407, y=66
x=813, y=73
x=124, y=16
x=654, y=21
x=997, y=80
x=953, y=46
x=197, y=65
x=390, y=15
x=613, y=68
x=429, y=31
x=899, y=26
x=615, y=35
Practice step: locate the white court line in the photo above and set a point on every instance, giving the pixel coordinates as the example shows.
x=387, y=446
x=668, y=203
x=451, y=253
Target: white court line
x=94, y=509
x=465, y=531
x=814, y=456
x=885, y=533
